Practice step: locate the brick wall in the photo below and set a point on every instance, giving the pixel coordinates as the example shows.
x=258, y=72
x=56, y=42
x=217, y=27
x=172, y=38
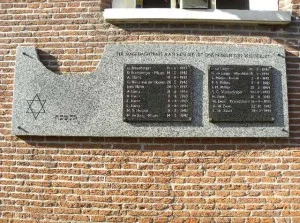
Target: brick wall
x=82, y=179
x=285, y=5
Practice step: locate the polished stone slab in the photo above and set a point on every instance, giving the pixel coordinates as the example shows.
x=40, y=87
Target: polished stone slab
x=157, y=93
x=241, y=93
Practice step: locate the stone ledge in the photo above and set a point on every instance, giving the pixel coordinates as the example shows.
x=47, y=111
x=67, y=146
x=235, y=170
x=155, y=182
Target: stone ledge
x=208, y=15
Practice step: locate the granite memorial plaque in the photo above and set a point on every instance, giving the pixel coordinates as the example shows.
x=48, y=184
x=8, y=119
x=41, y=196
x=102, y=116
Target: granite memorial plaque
x=157, y=92
x=48, y=104
x=240, y=94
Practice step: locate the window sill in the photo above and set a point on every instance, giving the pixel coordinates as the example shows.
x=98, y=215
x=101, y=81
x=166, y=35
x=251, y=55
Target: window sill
x=206, y=15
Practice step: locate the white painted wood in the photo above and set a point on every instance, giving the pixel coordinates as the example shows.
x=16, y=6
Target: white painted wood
x=173, y=3
x=183, y=15
x=264, y=5
x=213, y=4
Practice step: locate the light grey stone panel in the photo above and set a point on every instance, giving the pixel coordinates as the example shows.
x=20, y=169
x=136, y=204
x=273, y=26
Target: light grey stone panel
x=49, y=104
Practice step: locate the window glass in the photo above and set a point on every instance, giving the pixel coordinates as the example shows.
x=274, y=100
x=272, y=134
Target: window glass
x=233, y=4
x=156, y=4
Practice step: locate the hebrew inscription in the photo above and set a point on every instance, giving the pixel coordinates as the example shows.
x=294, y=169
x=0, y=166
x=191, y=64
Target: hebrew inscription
x=240, y=94
x=157, y=92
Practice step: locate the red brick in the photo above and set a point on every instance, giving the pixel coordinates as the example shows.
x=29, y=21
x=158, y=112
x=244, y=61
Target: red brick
x=64, y=179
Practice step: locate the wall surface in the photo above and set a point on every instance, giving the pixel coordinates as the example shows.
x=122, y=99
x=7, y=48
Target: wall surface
x=90, y=179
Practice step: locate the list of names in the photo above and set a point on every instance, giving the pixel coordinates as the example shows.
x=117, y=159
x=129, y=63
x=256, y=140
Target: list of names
x=157, y=92
x=240, y=93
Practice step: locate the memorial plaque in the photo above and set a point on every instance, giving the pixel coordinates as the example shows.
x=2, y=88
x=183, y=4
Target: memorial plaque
x=240, y=93
x=160, y=99
x=157, y=92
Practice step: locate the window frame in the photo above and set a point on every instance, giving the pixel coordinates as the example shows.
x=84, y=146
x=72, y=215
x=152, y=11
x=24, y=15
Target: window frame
x=266, y=5
x=261, y=12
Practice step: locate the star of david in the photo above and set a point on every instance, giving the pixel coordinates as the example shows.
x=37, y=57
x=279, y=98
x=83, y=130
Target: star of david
x=36, y=106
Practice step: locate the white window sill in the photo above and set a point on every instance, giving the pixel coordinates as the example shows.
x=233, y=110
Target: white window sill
x=206, y=15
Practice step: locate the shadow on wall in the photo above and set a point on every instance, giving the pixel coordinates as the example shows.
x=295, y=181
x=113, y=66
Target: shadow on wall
x=153, y=144
x=49, y=61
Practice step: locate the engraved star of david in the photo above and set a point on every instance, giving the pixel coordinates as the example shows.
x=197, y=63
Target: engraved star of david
x=36, y=106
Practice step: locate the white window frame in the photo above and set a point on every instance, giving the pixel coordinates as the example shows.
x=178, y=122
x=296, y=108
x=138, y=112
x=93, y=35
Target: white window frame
x=261, y=11
x=264, y=5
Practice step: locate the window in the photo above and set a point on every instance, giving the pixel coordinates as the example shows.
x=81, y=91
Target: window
x=194, y=4
x=156, y=4
x=233, y=11
x=266, y=5
x=233, y=4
